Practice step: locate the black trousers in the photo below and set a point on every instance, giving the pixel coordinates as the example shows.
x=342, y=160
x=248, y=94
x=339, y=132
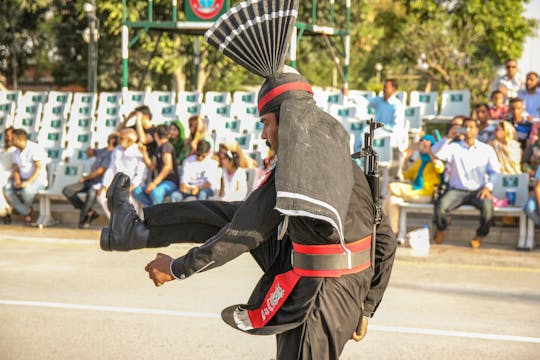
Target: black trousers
x=335, y=311
x=71, y=192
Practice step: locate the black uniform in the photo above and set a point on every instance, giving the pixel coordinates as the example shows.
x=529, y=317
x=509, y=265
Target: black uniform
x=321, y=314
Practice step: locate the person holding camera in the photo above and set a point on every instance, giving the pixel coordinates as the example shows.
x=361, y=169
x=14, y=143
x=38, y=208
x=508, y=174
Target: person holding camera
x=468, y=162
x=422, y=176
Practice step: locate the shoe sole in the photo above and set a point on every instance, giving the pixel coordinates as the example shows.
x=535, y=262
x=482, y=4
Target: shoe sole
x=105, y=239
x=110, y=194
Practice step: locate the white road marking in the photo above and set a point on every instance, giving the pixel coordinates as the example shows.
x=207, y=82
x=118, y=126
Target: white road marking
x=453, y=333
x=190, y=314
x=118, y=309
x=47, y=240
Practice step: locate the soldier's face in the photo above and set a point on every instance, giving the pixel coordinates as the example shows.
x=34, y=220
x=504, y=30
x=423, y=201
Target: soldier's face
x=270, y=131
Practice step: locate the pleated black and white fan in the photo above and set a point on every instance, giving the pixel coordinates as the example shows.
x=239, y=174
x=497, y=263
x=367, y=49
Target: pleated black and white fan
x=256, y=34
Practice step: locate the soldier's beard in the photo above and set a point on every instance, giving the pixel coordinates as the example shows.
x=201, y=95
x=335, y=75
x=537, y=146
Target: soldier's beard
x=268, y=144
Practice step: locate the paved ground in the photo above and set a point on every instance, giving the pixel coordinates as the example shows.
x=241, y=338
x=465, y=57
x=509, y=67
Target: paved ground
x=62, y=298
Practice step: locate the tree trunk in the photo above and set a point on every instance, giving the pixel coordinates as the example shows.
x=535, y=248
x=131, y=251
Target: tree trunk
x=179, y=79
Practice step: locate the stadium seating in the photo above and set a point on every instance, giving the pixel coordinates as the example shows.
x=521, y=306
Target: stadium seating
x=66, y=124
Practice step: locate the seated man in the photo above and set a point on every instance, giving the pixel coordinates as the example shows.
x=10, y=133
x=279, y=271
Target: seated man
x=531, y=207
x=164, y=162
x=468, y=161
x=6, y=165
x=125, y=158
x=200, y=175
x=452, y=133
x=89, y=184
x=485, y=129
x=425, y=175
x=29, y=174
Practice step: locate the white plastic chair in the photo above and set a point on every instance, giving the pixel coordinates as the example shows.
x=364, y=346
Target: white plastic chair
x=211, y=110
x=7, y=115
x=10, y=95
x=414, y=119
x=158, y=101
x=131, y=99
x=245, y=97
x=341, y=112
x=321, y=98
x=53, y=130
x=382, y=145
x=427, y=101
x=455, y=102
x=33, y=97
x=360, y=94
x=215, y=97
x=336, y=98
x=64, y=174
x=356, y=129
x=60, y=97
x=218, y=124
x=109, y=104
x=190, y=97
x=28, y=117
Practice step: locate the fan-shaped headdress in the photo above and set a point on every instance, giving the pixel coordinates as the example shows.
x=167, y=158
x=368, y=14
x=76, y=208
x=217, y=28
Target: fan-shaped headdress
x=314, y=170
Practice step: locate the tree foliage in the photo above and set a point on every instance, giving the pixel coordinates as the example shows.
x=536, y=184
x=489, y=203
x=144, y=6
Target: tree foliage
x=20, y=37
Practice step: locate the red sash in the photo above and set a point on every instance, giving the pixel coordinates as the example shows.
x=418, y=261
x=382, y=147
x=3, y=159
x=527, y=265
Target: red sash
x=284, y=284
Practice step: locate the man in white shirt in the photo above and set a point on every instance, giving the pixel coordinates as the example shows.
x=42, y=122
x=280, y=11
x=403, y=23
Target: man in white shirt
x=125, y=158
x=6, y=165
x=511, y=82
x=29, y=174
x=201, y=175
x=468, y=162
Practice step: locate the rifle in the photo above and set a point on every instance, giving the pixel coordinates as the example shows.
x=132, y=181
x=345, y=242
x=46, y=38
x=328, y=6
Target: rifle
x=371, y=169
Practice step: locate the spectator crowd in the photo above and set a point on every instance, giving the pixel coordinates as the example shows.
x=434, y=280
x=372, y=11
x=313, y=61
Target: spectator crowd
x=160, y=160
x=170, y=163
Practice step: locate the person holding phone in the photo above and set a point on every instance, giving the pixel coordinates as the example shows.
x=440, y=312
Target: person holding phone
x=422, y=177
x=453, y=133
x=468, y=162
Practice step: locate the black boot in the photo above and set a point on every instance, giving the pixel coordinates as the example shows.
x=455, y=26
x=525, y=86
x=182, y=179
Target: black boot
x=126, y=230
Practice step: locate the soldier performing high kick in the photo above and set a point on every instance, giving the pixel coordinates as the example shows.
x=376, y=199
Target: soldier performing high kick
x=309, y=225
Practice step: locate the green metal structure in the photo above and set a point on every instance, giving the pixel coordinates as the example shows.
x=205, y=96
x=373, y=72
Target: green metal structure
x=198, y=28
